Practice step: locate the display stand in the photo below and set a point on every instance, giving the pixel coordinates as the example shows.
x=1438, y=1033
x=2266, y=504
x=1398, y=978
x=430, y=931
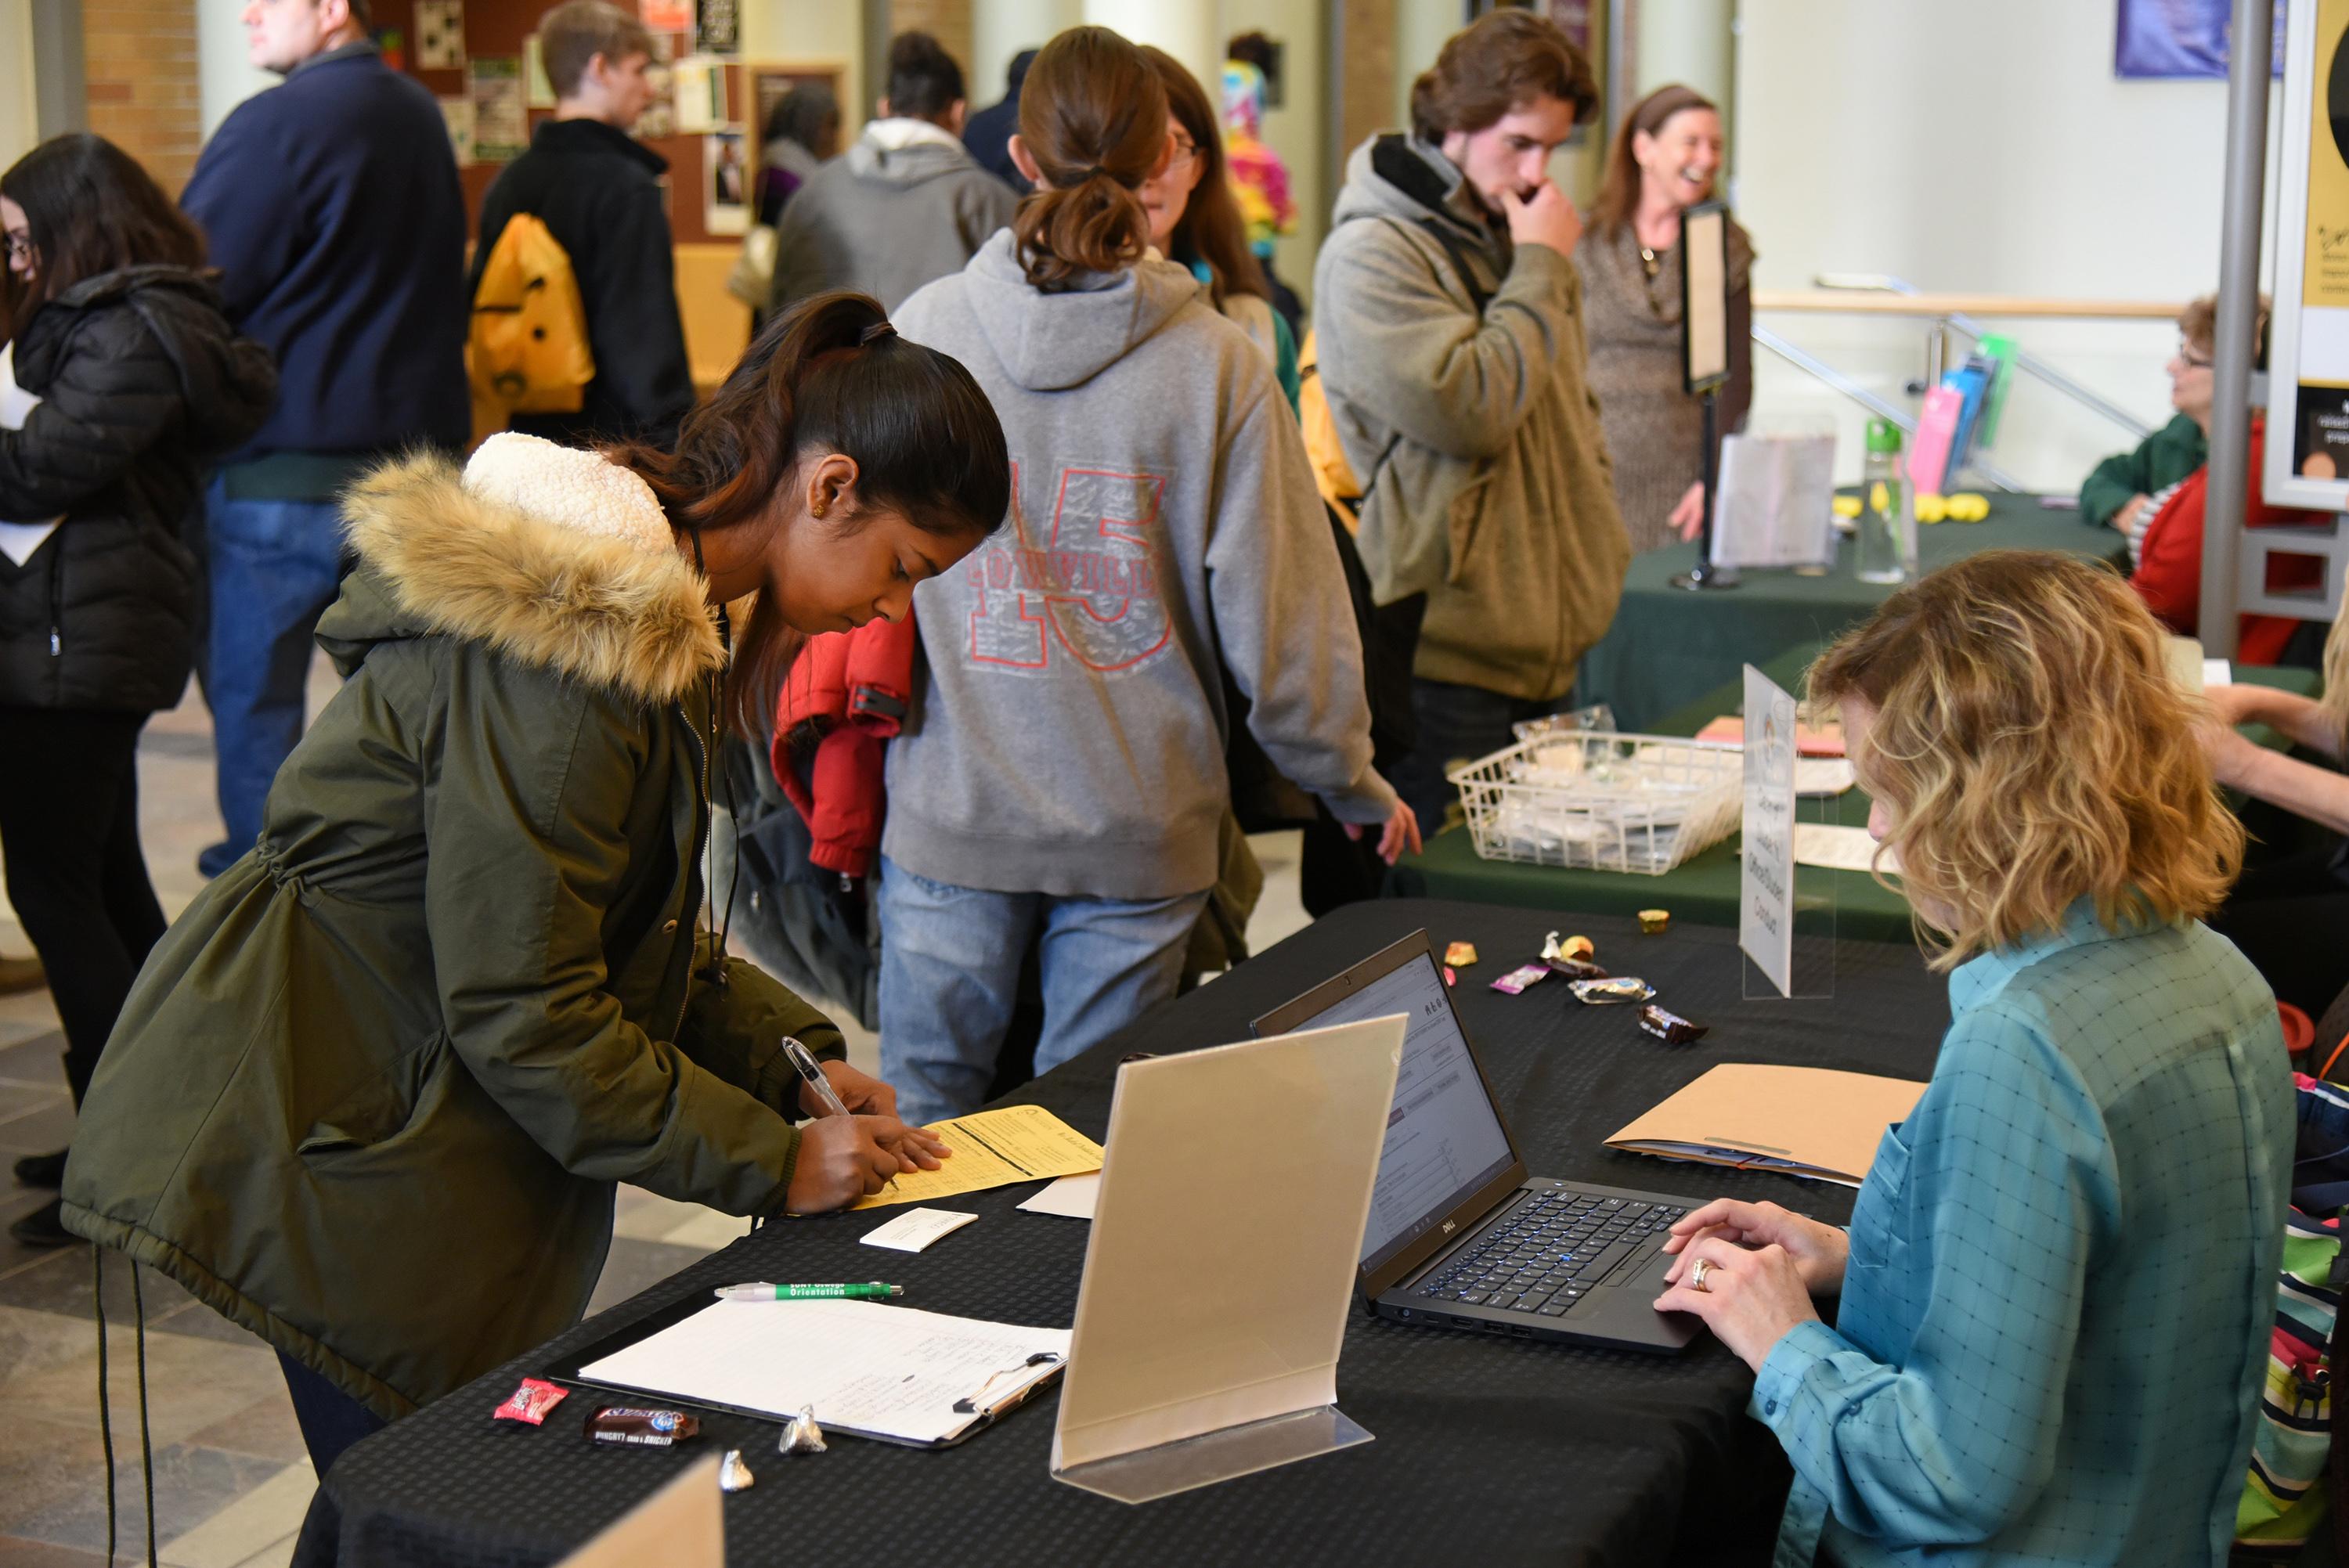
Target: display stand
x=1149, y=1474
x=1209, y=1321
x=1704, y=364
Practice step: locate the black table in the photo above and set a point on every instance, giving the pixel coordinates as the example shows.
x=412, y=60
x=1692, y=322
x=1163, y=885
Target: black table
x=1668, y=646
x=1486, y=1448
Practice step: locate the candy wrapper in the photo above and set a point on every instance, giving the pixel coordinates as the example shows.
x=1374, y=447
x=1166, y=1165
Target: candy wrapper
x=1578, y=969
x=628, y=1426
x=1515, y=981
x=1450, y=975
x=801, y=1434
x=530, y=1402
x=1575, y=947
x=733, y=1475
x=1652, y=921
x=1620, y=989
x=1460, y=955
x=1670, y=1027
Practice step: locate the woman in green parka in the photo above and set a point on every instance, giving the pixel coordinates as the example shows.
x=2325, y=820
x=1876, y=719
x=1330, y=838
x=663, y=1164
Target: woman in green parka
x=373, y=1091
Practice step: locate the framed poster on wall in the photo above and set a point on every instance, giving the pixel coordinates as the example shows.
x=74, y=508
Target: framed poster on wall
x=2307, y=459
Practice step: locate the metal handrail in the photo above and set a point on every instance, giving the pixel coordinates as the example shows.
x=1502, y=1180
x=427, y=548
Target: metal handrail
x=1868, y=400
x=1956, y=311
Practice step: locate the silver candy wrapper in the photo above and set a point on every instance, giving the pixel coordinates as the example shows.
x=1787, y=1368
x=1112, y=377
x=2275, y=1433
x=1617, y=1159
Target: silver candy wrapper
x=801, y=1434
x=733, y=1475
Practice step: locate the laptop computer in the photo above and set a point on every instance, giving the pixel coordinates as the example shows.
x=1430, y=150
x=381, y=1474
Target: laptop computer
x=1459, y=1235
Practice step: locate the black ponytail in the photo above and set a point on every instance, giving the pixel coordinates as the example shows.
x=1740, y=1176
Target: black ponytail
x=830, y=374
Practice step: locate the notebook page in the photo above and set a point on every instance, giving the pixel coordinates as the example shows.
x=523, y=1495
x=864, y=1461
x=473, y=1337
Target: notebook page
x=893, y=1371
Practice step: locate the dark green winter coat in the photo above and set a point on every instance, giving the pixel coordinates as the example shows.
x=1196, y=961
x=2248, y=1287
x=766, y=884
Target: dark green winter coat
x=371, y=1095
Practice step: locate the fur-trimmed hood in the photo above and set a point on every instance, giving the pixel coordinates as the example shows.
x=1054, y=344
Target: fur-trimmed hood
x=556, y=557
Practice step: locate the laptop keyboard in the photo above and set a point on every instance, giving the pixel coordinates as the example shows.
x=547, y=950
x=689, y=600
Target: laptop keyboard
x=1554, y=1249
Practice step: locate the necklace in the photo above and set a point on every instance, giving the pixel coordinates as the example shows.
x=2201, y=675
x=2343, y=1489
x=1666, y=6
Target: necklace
x=1648, y=263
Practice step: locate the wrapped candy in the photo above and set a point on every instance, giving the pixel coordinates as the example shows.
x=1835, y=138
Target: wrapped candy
x=801, y=1434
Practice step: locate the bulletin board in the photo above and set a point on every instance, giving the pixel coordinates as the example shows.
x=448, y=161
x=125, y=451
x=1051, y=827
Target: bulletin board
x=2307, y=456
x=479, y=58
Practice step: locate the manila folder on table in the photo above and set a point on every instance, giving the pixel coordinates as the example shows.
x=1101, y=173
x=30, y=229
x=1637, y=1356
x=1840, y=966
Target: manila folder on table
x=1797, y=1122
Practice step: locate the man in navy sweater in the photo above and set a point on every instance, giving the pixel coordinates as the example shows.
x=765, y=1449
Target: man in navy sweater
x=332, y=208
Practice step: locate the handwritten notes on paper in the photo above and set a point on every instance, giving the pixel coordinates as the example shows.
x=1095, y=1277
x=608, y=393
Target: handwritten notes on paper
x=996, y=1148
x=879, y=1371
x=1766, y=901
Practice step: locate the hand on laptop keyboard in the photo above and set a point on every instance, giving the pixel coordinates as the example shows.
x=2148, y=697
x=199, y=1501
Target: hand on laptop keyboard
x=1547, y=1254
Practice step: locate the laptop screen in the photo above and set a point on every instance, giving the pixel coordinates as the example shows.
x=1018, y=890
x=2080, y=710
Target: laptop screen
x=1443, y=1142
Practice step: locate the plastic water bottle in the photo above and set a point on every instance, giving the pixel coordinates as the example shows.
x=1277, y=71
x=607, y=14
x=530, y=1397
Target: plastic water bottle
x=1883, y=507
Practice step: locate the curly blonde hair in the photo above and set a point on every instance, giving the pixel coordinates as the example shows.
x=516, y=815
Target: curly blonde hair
x=2031, y=750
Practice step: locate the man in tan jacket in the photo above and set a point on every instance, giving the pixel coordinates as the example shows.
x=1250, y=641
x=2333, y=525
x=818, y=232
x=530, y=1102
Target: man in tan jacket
x=1453, y=354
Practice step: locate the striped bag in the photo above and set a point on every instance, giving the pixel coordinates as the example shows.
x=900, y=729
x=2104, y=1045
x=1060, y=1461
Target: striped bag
x=2284, y=1497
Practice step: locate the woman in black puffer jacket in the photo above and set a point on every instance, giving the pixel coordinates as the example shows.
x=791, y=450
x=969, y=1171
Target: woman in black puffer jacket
x=120, y=382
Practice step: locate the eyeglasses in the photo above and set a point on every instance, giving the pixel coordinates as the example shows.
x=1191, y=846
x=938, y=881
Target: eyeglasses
x=1185, y=151
x=20, y=247
x=2192, y=361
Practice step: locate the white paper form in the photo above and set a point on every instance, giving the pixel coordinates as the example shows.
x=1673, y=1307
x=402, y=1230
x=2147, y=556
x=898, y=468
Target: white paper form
x=882, y=1371
x=1070, y=1197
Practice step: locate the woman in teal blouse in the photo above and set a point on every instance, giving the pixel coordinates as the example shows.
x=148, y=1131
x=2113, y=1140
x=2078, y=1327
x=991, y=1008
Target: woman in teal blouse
x=2059, y=1279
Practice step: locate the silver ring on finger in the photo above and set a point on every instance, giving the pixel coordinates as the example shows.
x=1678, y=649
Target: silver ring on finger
x=1697, y=1273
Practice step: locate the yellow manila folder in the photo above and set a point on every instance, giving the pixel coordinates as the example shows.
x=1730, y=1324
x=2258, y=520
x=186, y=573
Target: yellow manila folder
x=996, y=1148
x=1811, y=1122
x=1222, y=1262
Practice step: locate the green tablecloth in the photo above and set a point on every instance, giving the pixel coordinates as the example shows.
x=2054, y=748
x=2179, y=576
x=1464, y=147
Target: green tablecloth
x=1706, y=889
x=1668, y=646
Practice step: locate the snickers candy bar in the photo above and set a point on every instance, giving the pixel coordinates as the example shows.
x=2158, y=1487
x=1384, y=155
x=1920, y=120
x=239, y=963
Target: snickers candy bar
x=632, y=1427
x=1670, y=1027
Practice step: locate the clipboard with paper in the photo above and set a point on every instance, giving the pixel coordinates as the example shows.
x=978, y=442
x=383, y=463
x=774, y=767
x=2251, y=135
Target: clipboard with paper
x=890, y=1374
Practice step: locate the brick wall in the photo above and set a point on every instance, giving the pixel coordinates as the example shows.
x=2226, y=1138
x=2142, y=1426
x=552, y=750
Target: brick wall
x=139, y=70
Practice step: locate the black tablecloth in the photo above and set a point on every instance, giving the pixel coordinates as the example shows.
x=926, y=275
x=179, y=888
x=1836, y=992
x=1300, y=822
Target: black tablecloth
x=1487, y=1448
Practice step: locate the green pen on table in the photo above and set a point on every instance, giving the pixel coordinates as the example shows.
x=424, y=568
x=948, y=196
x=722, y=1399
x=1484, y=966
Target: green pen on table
x=762, y=1291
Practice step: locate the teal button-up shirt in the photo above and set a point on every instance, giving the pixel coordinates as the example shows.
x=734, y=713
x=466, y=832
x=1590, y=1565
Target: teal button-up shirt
x=2054, y=1323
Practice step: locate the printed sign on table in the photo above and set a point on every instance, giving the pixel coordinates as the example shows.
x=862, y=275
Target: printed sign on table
x=1765, y=898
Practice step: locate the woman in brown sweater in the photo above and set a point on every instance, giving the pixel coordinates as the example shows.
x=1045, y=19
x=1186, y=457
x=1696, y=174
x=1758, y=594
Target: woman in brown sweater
x=1663, y=161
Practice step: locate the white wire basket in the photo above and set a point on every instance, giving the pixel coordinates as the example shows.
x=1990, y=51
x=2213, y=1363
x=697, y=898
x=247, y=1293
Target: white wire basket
x=1595, y=801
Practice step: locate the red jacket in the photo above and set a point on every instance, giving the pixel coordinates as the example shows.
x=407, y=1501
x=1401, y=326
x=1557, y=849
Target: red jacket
x=2169, y=565
x=852, y=689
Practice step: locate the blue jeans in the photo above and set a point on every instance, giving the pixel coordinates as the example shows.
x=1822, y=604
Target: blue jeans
x=275, y=567
x=1457, y=724
x=950, y=960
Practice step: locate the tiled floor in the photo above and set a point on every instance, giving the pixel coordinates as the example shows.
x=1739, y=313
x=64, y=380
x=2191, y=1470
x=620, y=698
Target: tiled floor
x=231, y=1478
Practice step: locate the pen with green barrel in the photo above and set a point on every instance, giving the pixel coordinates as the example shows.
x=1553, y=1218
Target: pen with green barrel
x=811, y=1073
x=762, y=1291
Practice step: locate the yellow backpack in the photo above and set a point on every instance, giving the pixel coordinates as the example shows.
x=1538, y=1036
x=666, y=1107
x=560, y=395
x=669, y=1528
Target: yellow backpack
x=527, y=352
x=1333, y=476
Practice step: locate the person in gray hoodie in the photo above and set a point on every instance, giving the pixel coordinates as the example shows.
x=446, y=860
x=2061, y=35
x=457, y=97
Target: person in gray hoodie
x=1061, y=780
x=904, y=204
x=1452, y=348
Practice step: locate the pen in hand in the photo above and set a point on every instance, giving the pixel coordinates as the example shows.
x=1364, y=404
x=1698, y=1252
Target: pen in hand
x=811, y=1073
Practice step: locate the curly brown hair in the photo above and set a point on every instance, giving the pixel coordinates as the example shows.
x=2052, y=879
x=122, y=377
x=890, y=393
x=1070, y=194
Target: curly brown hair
x=1093, y=114
x=1505, y=61
x=2031, y=750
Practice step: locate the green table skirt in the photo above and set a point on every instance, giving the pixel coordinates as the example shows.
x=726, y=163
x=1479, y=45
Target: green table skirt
x=1706, y=889
x=1668, y=646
